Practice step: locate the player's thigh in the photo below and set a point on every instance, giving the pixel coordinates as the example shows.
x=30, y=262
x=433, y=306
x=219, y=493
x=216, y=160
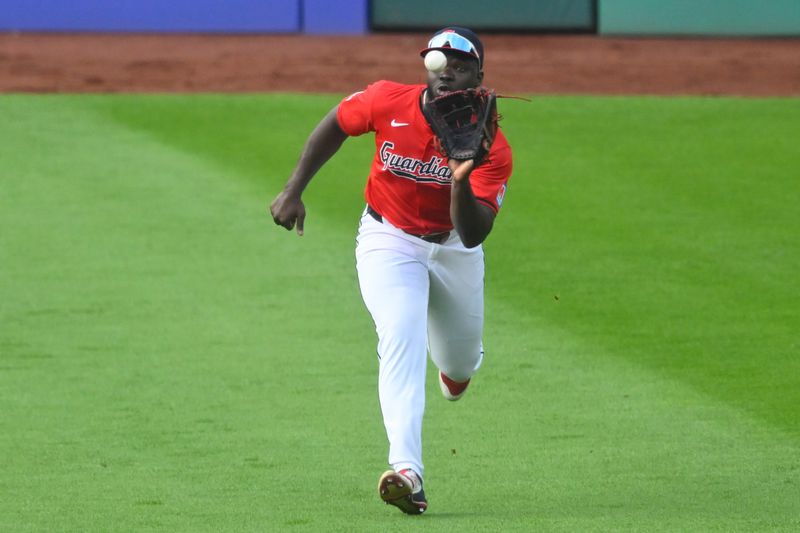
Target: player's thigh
x=393, y=279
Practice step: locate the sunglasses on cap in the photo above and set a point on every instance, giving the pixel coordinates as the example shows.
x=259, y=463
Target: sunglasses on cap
x=451, y=39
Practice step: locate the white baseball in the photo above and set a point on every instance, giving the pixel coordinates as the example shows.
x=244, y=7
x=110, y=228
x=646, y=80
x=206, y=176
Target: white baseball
x=435, y=61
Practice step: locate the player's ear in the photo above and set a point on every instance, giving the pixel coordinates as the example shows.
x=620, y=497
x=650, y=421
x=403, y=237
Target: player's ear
x=479, y=77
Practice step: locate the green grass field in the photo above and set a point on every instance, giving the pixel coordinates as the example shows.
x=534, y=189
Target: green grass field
x=170, y=360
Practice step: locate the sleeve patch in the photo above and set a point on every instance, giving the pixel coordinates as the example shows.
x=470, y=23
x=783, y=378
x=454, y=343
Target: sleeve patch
x=501, y=194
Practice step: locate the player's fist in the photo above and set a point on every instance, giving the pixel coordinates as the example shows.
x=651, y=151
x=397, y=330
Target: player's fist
x=288, y=210
x=460, y=169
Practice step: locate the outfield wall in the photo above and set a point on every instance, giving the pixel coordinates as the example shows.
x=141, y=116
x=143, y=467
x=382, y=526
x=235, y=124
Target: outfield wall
x=541, y=15
x=630, y=17
x=256, y=16
x=699, y=17
x=621, y=17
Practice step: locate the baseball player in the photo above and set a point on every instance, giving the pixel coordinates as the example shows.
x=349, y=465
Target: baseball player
x=418, y=253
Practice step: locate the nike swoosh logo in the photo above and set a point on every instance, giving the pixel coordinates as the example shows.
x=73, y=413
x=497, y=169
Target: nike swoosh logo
x=396, y=124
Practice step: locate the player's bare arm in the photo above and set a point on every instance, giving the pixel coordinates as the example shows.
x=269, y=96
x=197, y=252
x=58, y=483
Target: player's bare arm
x=287, y=209
x=472, y=220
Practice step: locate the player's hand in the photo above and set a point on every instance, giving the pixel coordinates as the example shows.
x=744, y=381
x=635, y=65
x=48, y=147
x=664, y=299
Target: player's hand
x=460, y=169
x=288, y=210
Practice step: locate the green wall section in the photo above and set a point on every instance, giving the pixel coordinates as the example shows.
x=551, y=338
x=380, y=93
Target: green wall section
x=699, y=17
x=505, y=14
x=640, y=17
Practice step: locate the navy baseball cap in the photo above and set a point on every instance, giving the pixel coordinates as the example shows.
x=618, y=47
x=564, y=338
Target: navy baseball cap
x=456, y=39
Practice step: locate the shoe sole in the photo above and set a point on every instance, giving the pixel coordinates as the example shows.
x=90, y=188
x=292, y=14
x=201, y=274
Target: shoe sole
x=395, y=489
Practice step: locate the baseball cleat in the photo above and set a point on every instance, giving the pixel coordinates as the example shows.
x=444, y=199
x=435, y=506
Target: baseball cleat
x=403, y=489
x=452, y=390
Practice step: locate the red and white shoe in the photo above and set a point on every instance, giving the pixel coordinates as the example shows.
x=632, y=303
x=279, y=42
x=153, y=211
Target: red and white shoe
x=452, y=390
x=403, y=489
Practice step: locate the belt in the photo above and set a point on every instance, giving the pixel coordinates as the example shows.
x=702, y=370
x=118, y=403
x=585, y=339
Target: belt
x=436, y=238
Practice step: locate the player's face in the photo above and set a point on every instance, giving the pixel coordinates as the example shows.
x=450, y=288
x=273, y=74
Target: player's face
x=462, y=72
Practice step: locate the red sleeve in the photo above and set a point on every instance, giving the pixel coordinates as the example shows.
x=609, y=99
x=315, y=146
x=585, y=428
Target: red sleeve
x=488, y=181
x=355, y=111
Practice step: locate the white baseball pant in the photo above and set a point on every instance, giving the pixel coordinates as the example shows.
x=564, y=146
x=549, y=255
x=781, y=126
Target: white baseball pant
x=422, y=296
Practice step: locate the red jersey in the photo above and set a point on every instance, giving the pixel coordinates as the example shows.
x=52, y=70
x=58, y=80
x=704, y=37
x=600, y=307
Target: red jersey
x=409, y=182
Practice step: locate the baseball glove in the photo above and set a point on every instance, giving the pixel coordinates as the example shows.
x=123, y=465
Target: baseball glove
x=464, y=123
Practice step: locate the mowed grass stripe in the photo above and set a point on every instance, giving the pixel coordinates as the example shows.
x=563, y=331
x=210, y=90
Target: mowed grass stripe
x=596, y=443
x=156, y=371
x=188, y=366
x=666, y=228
